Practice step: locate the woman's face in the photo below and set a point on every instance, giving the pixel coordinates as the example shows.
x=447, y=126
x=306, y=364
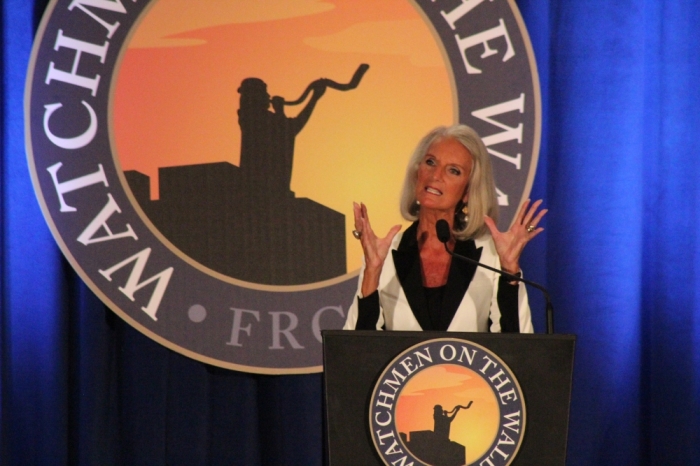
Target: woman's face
x=443, y=175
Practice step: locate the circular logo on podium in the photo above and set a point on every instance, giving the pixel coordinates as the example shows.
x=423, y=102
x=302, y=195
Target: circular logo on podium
x=447, y=402
x=198, y=166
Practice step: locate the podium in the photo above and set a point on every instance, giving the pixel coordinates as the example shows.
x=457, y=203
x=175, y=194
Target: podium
x=354, y=361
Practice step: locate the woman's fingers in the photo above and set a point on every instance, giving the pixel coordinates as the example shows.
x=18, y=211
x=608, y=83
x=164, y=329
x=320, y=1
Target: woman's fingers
x=537, y=219
x=527, y=218
x=531, y=223
x=365, y=220
x=491, y=225
x=535, y=233
x=361, y=218
x=521, y=213
x=357, y=214
x=392, y=233
x=362, y=225
x=373, y=246
x=356, y=210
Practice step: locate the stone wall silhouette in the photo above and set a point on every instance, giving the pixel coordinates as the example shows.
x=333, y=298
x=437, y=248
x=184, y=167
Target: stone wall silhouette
x=218, y=218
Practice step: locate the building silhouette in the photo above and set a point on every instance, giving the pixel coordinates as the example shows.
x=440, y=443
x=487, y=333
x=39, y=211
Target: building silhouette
x=218, y=218
x=435, y=450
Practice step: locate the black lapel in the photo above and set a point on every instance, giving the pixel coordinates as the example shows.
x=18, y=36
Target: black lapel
x=407, y=264
x=461, y=274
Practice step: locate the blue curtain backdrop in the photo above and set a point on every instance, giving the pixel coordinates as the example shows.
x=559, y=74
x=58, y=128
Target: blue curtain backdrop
x=619, y=171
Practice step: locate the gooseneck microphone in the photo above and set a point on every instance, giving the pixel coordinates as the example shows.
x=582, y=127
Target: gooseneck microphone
x=443, y=233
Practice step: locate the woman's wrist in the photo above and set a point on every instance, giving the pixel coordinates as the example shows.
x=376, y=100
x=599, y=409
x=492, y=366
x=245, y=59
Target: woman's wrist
x=511, y=269
x=370, y=281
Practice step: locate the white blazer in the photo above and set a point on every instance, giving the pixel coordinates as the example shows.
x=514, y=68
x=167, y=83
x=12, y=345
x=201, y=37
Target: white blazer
x=477, y=306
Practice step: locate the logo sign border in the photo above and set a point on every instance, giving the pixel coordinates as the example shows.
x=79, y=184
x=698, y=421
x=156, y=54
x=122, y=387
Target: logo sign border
x=455, y=341
x=534, y=76
x=124, y=315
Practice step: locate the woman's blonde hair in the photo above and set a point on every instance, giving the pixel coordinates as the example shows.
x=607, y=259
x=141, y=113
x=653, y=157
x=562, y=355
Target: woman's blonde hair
x=480, y=187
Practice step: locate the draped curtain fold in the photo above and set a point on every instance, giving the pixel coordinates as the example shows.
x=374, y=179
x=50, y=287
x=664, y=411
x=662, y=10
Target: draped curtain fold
x=618, y=170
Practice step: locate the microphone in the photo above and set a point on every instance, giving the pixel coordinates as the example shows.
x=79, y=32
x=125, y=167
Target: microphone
x=442, y=229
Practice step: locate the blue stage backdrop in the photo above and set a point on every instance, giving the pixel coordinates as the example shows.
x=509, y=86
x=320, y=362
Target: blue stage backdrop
x=618, y=171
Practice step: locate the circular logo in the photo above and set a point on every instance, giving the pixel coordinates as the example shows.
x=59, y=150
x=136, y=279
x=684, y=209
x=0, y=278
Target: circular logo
x=197, y=166
x=447, y=402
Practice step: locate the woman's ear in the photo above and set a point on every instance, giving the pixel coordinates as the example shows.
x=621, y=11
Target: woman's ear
x=465, y=197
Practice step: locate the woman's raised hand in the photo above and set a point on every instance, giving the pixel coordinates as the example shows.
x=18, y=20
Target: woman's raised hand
x=510, y=244
x=375, y=248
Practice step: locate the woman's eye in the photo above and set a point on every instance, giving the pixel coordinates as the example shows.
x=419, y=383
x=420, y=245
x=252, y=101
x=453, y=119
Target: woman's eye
x=430, y=162
x=455, y=171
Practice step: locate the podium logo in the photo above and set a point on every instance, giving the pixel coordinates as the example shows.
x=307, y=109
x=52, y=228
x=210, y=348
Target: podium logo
x=447, y=402
x=197, y=166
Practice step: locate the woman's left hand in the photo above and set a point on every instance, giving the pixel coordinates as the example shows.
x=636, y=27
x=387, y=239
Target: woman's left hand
x=510, y=244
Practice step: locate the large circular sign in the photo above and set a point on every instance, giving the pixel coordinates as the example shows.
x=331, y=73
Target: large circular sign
x=197, y=161
x=447, y=402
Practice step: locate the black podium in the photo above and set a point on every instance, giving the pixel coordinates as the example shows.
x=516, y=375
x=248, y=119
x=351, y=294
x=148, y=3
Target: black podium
x=354, y=360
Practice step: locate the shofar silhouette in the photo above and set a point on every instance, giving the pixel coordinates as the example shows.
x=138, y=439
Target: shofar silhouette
x=354, y=82
x=458, y=407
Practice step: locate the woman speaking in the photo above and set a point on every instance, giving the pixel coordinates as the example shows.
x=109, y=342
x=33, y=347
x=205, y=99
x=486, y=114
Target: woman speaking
x=409, y=281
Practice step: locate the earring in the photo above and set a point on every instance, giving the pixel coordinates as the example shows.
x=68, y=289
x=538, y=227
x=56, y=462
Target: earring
x=465, y=214
x=415, y=207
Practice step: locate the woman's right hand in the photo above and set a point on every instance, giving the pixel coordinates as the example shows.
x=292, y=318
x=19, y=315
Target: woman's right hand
x=374, y=248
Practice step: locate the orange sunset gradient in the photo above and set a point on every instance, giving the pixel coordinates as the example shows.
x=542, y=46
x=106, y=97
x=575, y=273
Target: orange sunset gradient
x=451, y=385
x=175, y=98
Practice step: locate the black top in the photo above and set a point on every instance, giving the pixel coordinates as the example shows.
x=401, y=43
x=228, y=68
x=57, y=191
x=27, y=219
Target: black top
x=439, y=320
